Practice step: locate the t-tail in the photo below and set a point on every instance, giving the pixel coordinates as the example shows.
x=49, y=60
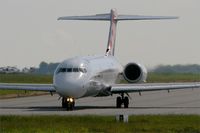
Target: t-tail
x=113, y=17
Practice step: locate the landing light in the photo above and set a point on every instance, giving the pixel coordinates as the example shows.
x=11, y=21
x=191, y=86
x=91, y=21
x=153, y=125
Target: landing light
x=70, y=99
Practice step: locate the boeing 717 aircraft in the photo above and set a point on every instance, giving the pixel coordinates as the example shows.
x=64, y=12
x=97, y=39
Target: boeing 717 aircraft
x=86, y=76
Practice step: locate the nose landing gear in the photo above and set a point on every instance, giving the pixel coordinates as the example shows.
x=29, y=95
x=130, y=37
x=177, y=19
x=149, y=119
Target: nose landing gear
x=122, y=100
x=68, y=103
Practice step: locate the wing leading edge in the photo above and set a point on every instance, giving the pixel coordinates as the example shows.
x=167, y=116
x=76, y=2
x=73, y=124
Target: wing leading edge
x=33, y=87
x=126, y=88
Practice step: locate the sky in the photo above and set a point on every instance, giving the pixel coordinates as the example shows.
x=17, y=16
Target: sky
x=30, y=32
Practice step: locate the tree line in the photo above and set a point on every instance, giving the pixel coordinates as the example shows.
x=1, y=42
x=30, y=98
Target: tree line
x=49, y=68
x=177, y=69
x=46, y=68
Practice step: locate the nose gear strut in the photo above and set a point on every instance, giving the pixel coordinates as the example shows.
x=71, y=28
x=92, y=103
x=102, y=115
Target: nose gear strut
x=68, y=103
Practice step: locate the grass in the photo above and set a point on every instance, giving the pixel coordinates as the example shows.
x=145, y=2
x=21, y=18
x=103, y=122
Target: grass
x=101, y=124
x=173, y=77
x=25, y=78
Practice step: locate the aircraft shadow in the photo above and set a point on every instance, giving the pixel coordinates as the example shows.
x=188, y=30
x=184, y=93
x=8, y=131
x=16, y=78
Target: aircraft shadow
x=78, y=108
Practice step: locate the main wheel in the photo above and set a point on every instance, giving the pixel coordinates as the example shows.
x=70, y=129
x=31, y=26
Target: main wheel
x=119, y=102
x=126, y=102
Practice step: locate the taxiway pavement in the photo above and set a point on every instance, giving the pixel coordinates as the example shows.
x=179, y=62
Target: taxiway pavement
x=160, y=102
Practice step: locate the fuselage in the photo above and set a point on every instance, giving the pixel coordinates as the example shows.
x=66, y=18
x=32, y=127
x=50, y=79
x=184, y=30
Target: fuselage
x=86, y=76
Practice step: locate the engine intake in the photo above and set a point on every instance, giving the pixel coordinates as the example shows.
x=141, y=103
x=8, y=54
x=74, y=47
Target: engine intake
x=134, y=73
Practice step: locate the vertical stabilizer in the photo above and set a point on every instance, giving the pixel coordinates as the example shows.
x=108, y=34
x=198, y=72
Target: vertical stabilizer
x=112, y=33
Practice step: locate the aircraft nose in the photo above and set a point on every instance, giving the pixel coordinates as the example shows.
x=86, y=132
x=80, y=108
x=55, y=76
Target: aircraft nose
x=69, y=85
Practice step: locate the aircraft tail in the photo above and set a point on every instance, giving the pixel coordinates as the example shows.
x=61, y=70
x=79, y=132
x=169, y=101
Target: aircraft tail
x=113, y=17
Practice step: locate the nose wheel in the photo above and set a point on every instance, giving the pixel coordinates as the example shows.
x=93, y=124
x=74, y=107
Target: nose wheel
x=68, y=103
x=122, y=101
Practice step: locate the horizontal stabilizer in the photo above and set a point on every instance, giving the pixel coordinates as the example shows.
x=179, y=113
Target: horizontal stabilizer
x=107, y=17
x=138, y=17
x=102, y=17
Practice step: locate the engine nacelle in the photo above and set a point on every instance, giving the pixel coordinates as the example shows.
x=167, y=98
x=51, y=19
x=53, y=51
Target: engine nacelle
x=135, y=73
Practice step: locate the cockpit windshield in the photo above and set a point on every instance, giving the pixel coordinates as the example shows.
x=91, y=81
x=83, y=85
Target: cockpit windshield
x=69, y=70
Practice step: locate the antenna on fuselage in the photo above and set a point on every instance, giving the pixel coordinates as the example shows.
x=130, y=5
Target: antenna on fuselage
x=113, y=17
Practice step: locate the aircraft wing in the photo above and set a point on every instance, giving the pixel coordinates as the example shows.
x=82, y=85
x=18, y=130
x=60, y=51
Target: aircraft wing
x=33, y=87
x=126, y=88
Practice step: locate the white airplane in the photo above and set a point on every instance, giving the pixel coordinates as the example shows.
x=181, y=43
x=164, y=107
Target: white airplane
x=86, y=76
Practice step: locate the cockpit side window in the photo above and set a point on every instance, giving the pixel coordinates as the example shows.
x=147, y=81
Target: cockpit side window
x=61, y=70
x=83, y=70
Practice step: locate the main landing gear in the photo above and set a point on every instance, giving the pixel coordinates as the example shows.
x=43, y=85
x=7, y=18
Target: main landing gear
x=68, y=103
x=122, y=100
